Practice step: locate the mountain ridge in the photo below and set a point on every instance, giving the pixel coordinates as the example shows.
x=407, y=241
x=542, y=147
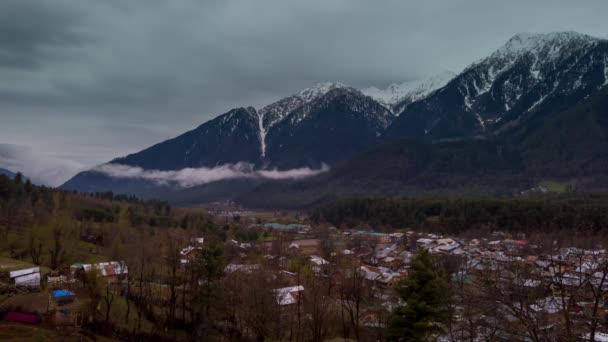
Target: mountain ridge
x=507, y=98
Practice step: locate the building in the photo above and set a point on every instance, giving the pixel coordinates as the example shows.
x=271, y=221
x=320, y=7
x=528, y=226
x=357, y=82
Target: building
x=29, y=277
x=112, y=270
x=291, y=227
x=288, y=295
x=372, y=236
x=390, y=262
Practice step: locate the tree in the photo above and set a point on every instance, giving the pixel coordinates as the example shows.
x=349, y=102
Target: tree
x=209, y=270
x=426, y=296
x=62, y=241
x=35, y=244
x=94, y=286
x=108, y=300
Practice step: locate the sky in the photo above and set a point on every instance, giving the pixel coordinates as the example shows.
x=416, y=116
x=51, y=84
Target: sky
x=85, y=81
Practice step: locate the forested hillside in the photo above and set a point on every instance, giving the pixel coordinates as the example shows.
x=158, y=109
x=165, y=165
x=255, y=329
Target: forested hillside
x=548, y=214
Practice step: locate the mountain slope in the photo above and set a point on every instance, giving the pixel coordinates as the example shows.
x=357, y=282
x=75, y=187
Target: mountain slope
x=465, y=168
x=275, y=113
x=571, y=147
x=531, y=75
x=341, y=119
x=335, y=127
x=229, y=138
x=7, y=173
x=572, y=143
x=532, y=110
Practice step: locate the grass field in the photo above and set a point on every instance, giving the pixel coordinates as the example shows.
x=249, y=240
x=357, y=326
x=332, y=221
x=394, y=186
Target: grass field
x=557, y=186
x=8, y=264
x=30, y=302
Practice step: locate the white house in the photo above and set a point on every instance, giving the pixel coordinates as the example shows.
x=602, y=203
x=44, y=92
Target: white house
x=29, y=277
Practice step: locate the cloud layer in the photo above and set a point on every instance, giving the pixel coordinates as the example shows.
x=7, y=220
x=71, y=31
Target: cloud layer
x=39, y=168
x=190, y=177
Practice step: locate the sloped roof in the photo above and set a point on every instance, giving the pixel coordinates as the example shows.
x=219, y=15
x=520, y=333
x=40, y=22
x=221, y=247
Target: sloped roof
x=284, y=296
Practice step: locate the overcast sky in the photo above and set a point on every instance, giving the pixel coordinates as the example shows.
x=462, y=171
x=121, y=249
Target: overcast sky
x=86, y=81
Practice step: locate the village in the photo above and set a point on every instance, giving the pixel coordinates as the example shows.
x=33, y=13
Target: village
x=504, y=287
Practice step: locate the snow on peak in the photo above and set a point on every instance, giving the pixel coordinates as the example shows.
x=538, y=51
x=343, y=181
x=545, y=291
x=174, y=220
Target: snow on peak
x=318, y=90
x=277, y=111
x=411, y=90
x=553, y=43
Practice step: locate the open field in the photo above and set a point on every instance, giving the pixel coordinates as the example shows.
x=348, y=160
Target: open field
x=557, y=186
x=8, y=264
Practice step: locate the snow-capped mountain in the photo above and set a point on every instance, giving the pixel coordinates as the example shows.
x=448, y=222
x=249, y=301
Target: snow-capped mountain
x=530, y=75
x=321, y=125
x=518, y=96
x=398, y=95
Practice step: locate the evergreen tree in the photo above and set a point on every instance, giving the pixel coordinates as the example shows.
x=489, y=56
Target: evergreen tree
x=209, y=268
x=426, y=295
x=18, y=178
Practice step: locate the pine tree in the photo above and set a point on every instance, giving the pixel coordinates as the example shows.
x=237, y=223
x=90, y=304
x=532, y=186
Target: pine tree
x=426, y=295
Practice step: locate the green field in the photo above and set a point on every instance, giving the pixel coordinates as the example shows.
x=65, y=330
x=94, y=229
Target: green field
x=557, y=186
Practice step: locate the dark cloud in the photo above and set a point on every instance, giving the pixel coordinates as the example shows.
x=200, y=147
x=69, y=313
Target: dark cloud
x=30, y=30
x=73, y=71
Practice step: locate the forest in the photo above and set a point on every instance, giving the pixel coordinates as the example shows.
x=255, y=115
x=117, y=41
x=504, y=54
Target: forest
x=550, y=213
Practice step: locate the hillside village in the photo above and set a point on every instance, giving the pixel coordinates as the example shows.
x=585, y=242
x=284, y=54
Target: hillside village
x=513, y=281
x=98, y=266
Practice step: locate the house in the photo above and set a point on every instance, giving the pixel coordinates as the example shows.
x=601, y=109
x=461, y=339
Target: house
x=288, y=295
x=372, y=236
x=292, y=227
x=381, y=276
x=29, y=277
x=370, y=273
x=188, y=251
x=231, y=268
x=112, y=270
x=390, y=262
x=397, y=236
x=598, y=337
x=317, y=260
x=424, y=242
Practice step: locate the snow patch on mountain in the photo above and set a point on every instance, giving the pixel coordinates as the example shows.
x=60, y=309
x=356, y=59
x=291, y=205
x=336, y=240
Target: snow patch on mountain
x=262, y=133
x=525, y=62
x=409, y=91
x=277, y=111
x=550, y=45
x=374, y=112
x=605, y=71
